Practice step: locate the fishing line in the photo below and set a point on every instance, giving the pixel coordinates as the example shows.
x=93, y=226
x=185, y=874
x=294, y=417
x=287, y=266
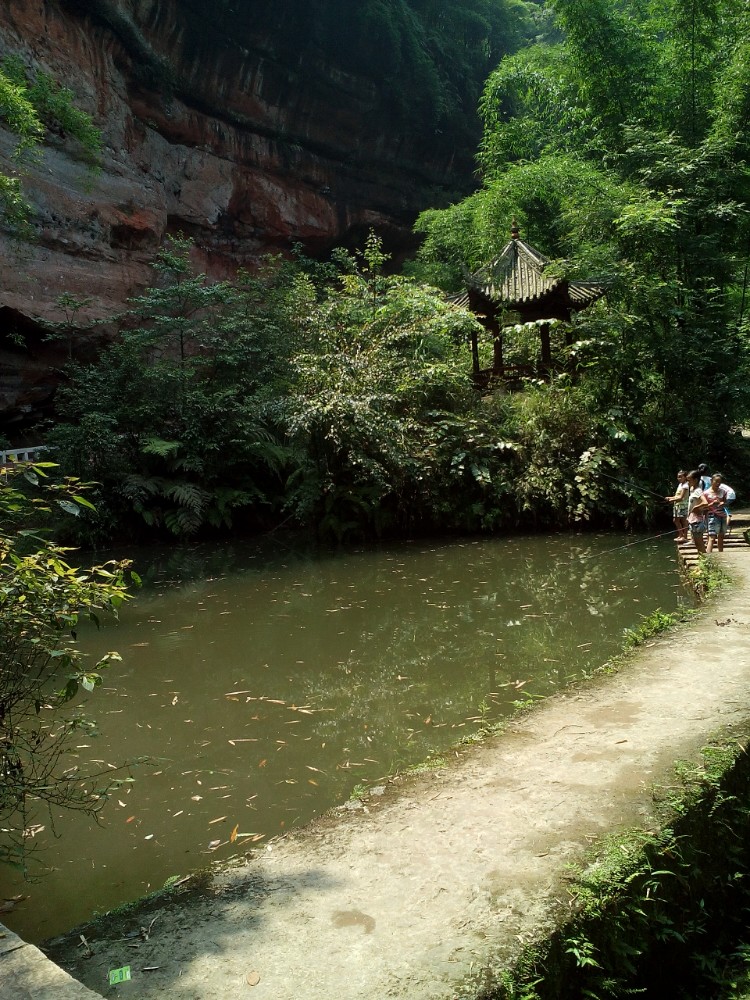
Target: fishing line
x=627, y=545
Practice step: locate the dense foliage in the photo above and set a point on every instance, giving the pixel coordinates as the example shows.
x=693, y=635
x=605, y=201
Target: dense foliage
x=338, y=406
x=336, y=399
x=42, y=599
x=622, y=150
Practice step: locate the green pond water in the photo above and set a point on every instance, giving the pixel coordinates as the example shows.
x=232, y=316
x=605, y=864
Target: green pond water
x=263, y=686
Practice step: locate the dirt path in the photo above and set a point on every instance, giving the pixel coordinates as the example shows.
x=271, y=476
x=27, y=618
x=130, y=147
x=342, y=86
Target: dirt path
x=440, y=880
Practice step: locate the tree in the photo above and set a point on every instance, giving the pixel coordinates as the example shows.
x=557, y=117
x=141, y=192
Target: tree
x=42, y=600
x=380, y=381
x=173, y=419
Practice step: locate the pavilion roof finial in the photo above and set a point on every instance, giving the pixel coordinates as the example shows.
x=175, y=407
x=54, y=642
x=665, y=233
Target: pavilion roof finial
x=514, y=230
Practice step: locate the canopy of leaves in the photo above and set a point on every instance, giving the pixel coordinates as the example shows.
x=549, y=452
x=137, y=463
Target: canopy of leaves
x=622, y=150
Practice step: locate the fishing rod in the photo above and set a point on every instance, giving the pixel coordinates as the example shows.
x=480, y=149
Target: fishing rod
x=627, y=482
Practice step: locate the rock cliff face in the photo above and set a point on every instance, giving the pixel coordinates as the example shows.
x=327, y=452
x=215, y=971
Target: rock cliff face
x=230, y=136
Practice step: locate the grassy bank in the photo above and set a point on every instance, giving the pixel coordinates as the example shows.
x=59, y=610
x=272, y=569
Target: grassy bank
x=657, y=912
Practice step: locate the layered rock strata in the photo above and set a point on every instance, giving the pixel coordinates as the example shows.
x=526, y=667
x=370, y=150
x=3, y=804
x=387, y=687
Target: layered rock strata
x=231, y=140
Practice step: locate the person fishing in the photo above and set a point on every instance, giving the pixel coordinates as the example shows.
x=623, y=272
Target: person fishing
x=729, y=497
x=715, y=496
x=697, y=506
x=680, y=507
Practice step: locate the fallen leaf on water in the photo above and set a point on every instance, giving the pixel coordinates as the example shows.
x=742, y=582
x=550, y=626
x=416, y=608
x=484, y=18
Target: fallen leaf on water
x=252, y=978
x=130, y=819
x=217, y=820
x=233, y=834
x=262, y=763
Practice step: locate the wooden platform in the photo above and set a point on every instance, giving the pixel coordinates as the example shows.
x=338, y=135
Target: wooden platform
x=733, y=541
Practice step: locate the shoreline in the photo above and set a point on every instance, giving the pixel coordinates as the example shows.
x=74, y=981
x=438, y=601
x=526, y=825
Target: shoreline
x=432, y=888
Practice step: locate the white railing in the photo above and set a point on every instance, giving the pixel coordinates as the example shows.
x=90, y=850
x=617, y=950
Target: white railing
x=29, y=454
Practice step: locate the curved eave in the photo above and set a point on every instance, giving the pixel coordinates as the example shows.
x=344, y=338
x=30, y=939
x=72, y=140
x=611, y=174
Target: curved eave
x=461, y=299
x=584, y=293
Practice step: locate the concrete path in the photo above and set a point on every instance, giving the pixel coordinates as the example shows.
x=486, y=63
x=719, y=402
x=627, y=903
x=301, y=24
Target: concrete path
x=433, y=886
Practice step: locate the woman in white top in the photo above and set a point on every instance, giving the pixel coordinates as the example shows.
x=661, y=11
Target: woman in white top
x=680, y=509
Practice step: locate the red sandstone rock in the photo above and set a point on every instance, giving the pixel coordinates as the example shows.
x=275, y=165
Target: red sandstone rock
x=212, y=136
x=229, y=148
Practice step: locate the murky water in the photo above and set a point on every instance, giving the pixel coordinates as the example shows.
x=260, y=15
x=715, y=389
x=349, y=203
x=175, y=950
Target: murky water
x=263, y=689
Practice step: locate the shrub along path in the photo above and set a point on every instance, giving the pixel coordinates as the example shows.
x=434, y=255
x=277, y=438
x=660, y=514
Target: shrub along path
x=430, y=888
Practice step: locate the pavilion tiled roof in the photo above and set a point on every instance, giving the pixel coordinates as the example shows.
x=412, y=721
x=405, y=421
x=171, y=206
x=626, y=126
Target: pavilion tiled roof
x=519, y=275
x=515, y=276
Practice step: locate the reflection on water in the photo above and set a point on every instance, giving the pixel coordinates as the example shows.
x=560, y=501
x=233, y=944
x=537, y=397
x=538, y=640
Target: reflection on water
x=262, y=688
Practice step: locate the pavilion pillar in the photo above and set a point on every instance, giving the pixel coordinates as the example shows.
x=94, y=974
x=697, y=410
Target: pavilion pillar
x=474, y=353
x=497, y=348
x=544, y=336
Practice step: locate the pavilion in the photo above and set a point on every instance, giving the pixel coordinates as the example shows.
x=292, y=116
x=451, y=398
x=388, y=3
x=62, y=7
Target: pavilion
x=517, y=287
